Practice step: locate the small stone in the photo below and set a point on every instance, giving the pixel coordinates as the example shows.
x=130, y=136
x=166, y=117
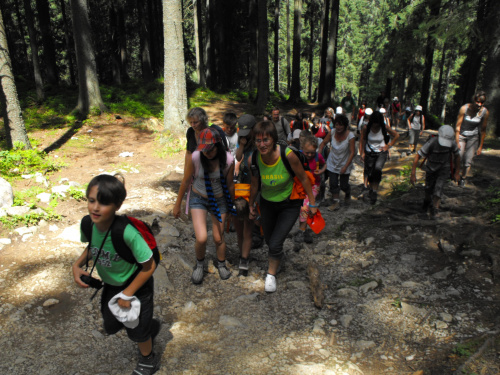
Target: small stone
x=369, y=241
x=53, y=228
x=189, y=307
x=347, y=292
x=441, y=325
x=445, y=317
x=318, y=326
x=383, y=357
x=44, y=197
x=410, y=357
x=333, y=322
x=50, y=302
x=229, y=322
x=345, y=320
x=471, y=253
x=17, y=210
x=368, y=287
x=442, y=274
x=363, y=344
x=98, y=335
x=5, y=241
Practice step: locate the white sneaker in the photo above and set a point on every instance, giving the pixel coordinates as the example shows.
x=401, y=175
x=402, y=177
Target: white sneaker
x=270, y=285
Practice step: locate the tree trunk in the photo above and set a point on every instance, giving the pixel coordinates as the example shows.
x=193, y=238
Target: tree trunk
x=324, y=48
x=198, y=40
x=491, y=69
x=288, y=50
x=297, y=33
x=144, y=42
x=116, y=66
x=24, y=48
x=89, y=94
x=253, y=63
x=327, y=98
x=12, y=115
x=209, y=44
x=263, y=58
x=311, y=49
x=451, y=60
x=49, y=50
x=276, y=46
x=122, y=39
x=67, y=42
x=156, y=36
x=34, y=51
x=175, y=97
x=438, y=101
x=435, y=6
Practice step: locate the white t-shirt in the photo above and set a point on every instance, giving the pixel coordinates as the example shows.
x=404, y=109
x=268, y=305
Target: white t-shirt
x=339, y=153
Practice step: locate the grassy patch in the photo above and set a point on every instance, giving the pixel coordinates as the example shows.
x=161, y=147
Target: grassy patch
x=29, y=219
x=402, y=185
x=16, y=162
x=203, y=97
x=359, y=281
x=466, y=349
x=169, y=144
x=492, y=203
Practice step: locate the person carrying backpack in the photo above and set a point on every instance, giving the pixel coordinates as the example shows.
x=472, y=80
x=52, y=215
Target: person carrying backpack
x=126, y=285
x=211, y=189
x=438, y=152
x=275, y=179
x=374, y=146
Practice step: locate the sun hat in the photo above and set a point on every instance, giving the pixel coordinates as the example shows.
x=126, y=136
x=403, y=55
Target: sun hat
x=418, y=108
x=339, y=111
x=446, y=136
x=245, y=124
x=408, y=109
x=368, y=111
x=207, y=140
x=382, y=110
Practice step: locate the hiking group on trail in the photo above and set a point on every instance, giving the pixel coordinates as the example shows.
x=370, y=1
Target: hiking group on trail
x=260, y=176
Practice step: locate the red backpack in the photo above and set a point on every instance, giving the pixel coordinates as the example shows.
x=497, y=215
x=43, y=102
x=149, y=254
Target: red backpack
x=117, y=230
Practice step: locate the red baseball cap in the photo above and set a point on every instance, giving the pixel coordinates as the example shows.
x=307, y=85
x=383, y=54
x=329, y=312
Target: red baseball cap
x=207, y=139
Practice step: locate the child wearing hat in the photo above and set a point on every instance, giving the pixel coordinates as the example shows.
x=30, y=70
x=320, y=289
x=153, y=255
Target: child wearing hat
x=437, y=153
x=416, y=125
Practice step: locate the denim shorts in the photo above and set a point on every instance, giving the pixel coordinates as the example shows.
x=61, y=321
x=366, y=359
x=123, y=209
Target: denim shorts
x=196, y=201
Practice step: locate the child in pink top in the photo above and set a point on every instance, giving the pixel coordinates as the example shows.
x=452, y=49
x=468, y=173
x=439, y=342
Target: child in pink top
x=317, y=165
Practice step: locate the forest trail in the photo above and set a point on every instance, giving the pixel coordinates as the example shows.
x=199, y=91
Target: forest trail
x=403, y=293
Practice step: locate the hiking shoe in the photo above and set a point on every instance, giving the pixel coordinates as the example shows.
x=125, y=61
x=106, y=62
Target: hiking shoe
x=363, y=192
x=434, y=212
x=373, y=197
x=299, y=237
x=147, y=366
x=270, y=284
x=224, y=273
x=243, y=266
x=335, y=206
x=307, y=236
x=461, y=183
x=197, y=276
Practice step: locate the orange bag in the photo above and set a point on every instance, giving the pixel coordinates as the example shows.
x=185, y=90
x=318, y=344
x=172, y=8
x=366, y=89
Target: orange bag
x=298, y=191
x=242, y=191
x=316, y=222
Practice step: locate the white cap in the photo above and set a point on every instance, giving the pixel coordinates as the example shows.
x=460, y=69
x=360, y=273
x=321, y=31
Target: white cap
x=382, y=110
x=418, y=108
x=368, y=111
x=339, y=111
x=395, y=99
x=408, y=109
x=446, y=136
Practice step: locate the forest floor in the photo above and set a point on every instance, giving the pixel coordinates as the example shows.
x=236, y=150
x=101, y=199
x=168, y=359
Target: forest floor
x=404, y=294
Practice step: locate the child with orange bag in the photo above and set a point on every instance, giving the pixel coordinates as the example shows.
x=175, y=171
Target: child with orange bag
x=317, y=165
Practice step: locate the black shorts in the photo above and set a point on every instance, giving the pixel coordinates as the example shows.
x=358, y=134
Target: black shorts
x=142, y=332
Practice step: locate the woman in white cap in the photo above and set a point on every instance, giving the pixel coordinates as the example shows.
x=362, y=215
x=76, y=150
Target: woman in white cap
x=437, y=151
x=416, y=126
x=471, y=130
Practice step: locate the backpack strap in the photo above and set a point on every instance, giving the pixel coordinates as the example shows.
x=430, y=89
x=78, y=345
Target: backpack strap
x=283, y=126
x=286, y=162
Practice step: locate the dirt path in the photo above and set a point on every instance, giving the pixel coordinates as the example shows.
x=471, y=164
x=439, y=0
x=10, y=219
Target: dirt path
x=395, y=301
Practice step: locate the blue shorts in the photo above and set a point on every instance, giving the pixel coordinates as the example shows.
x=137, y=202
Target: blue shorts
x=198, y=202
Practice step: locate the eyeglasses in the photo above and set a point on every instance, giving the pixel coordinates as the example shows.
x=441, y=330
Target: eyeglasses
x=265, y=141
x=479, y=102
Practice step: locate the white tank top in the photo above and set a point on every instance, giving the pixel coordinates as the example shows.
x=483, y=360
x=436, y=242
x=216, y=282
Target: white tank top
x=375, y=141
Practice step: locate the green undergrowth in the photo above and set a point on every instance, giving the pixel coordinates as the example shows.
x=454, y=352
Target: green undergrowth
x=170, y=144
x=402, y=184
x=29, y=219
x=135, y=98
x=17, y=162
x=203, y=96
x=492, y=203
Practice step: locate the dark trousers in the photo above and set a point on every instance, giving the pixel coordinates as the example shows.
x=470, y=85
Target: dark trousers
x=374, y=163
x=278, y=219
x=339, y=182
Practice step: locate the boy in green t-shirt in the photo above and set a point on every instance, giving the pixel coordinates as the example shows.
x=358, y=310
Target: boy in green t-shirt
x=126, y=281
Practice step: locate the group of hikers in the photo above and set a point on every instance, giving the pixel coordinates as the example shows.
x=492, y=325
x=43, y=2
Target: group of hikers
x=262, y=176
